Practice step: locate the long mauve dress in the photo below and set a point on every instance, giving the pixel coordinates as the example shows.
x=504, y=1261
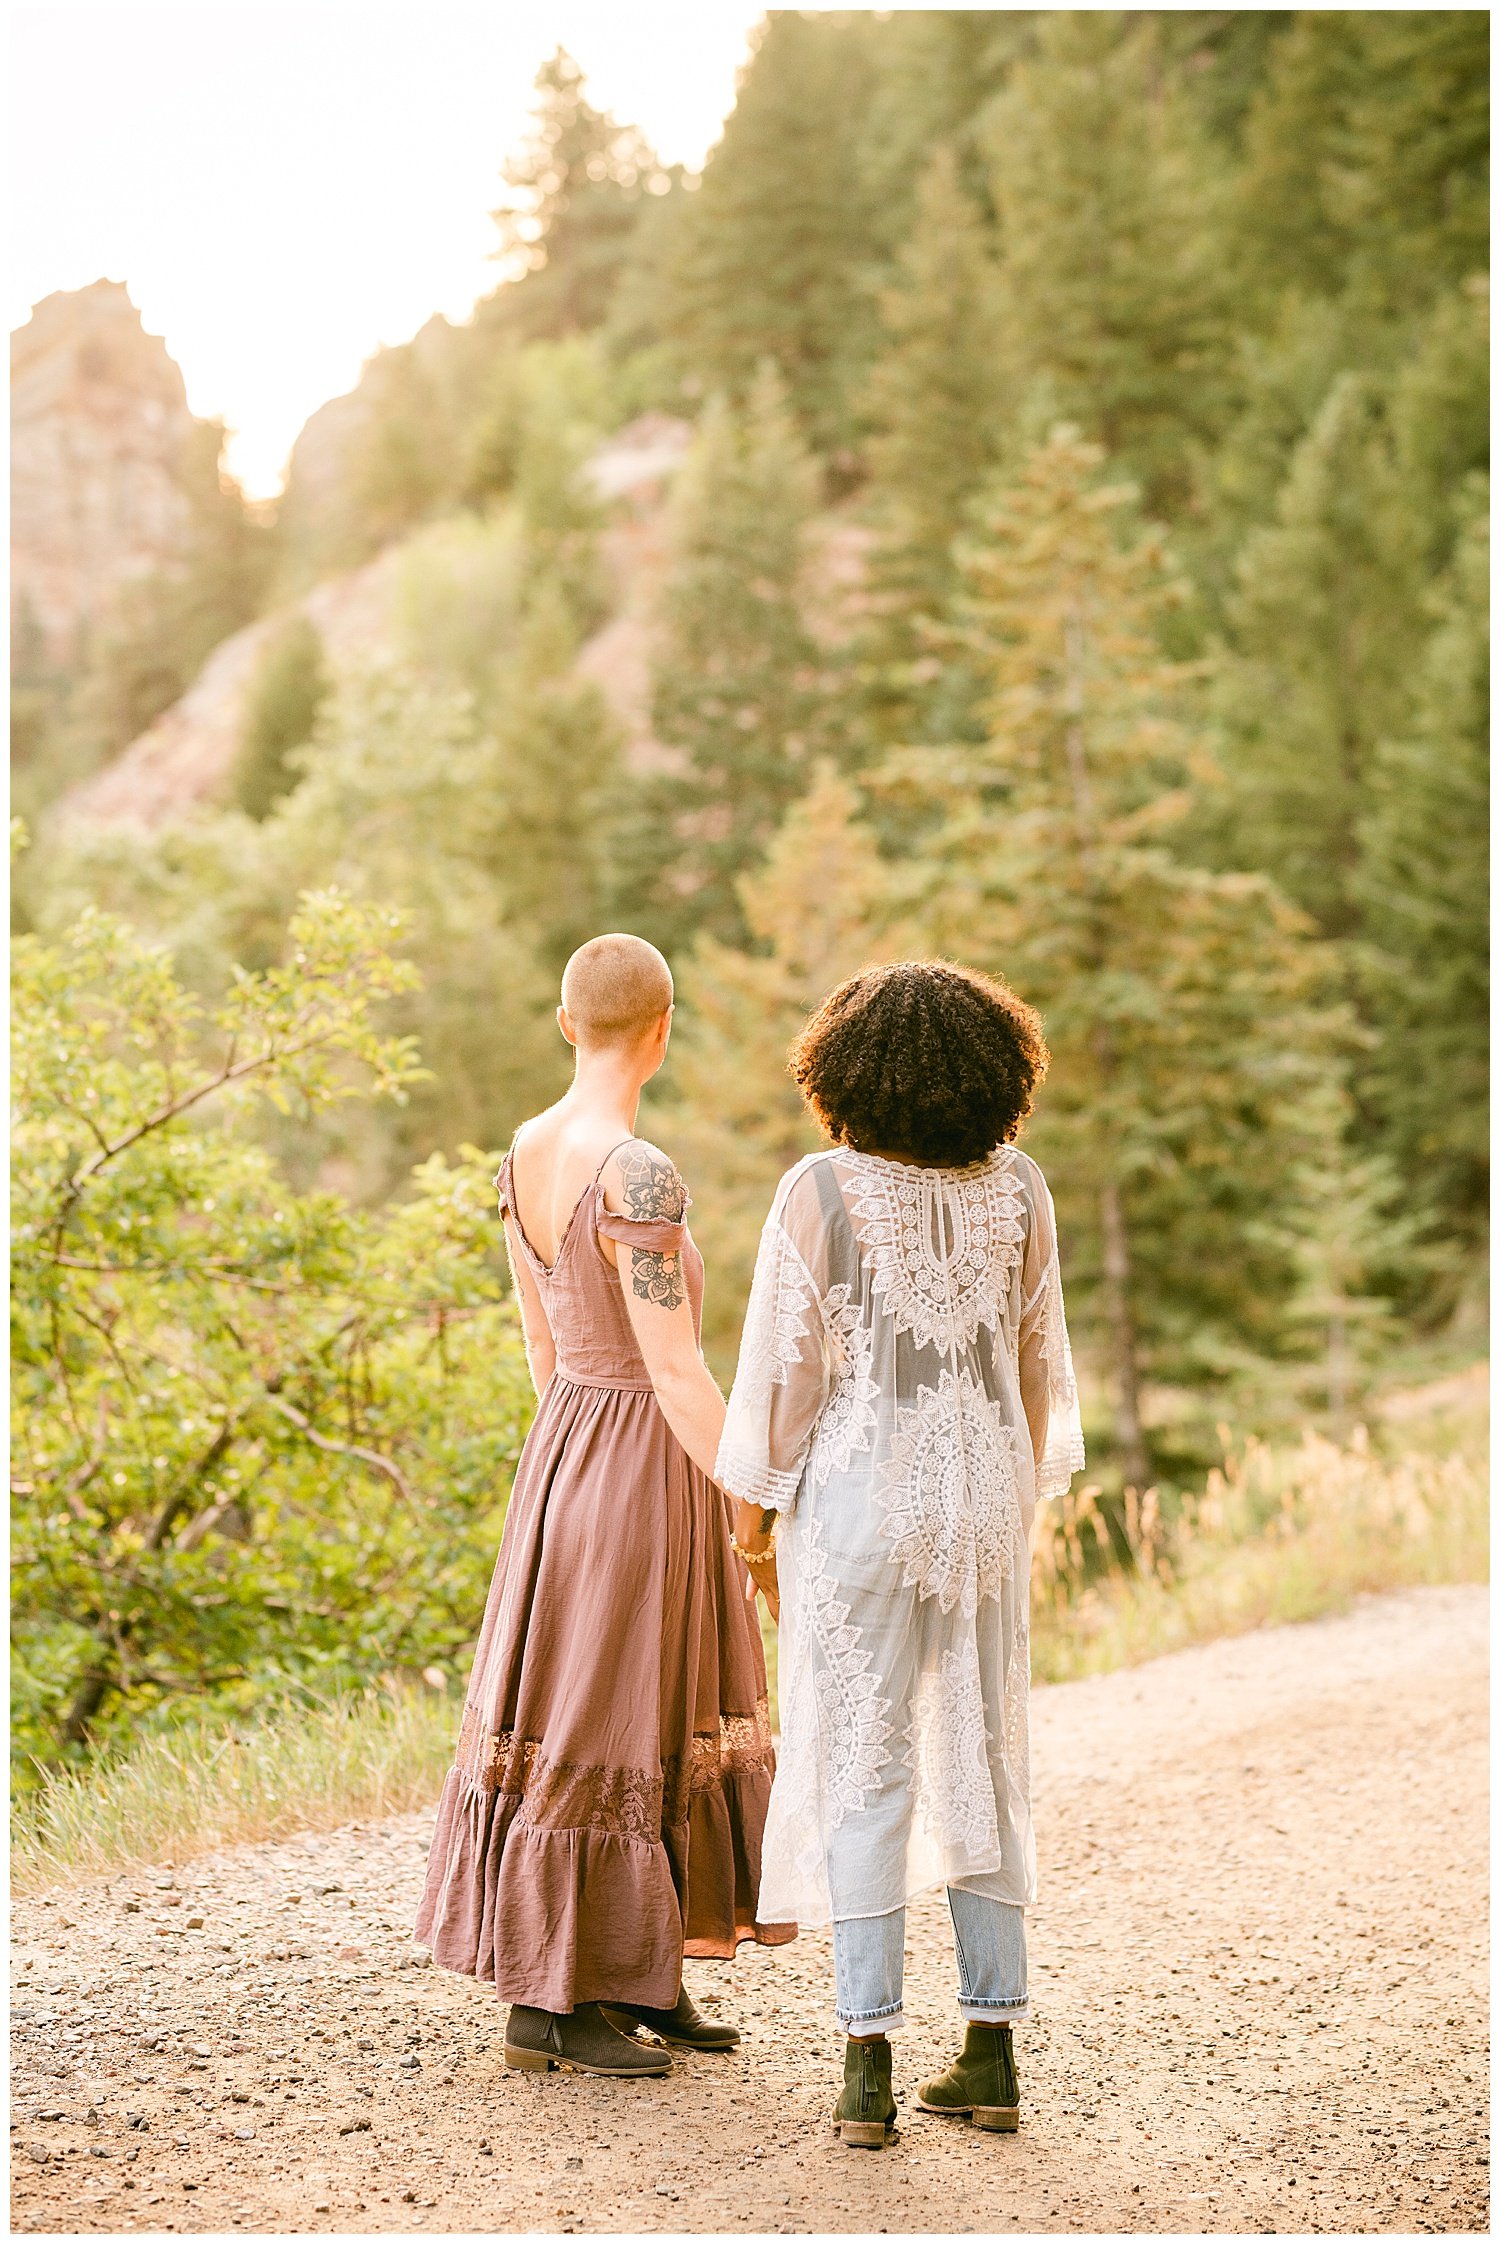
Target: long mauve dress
x=604, y=1813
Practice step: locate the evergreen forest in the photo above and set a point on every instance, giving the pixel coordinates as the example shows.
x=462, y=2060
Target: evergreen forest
x=1072, y=561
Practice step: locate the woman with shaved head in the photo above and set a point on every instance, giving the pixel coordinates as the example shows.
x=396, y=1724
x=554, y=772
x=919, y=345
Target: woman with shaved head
x=604, y=1814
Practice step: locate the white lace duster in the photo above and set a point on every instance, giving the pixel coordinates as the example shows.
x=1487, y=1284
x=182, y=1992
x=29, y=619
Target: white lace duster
x=905, y=1393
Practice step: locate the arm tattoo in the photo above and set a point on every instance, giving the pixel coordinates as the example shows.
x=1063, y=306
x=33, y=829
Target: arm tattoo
x=657, y=1277
x=654, y=1192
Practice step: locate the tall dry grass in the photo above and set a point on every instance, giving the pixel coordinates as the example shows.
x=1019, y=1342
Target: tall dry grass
x=1279, y=1534
x=205, y=1784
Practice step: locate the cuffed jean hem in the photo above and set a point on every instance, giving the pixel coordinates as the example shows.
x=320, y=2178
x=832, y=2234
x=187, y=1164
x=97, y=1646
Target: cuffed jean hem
x=994, y=2014
x=873, y=2022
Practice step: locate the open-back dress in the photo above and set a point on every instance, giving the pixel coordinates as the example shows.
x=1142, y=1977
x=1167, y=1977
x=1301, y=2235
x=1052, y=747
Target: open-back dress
x=605, y=1810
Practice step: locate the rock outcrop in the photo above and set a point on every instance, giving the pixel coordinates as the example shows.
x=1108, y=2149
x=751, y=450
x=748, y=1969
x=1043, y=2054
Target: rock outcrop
x=102, y=466
x=185, y=758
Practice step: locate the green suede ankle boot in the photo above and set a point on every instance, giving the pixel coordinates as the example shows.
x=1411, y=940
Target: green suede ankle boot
x=866, y=2112
x=981, y=2084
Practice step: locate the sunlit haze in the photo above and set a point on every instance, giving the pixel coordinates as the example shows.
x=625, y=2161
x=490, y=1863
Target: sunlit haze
x=283, y=190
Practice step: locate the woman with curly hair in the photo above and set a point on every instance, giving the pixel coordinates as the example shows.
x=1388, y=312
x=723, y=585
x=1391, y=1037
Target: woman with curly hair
x=904, y=1396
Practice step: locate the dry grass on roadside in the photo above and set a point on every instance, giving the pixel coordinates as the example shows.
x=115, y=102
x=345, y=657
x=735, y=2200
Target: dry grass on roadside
x=1280, y=1534
x=205, y=1784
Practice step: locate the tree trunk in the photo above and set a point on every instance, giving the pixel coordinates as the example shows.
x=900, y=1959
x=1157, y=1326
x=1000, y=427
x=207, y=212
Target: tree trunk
x=1115, y=1238
x=88, y=1696
x=1338, y=1367
x=1122, y=1336
x=100, y=1677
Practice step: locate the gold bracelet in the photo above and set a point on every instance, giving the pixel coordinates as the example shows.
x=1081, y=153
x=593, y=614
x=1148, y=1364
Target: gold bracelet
x=752, y=1558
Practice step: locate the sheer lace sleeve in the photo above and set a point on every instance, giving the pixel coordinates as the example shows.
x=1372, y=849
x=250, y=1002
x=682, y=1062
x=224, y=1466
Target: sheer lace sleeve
x=1049, y=1391
x=781, y=1382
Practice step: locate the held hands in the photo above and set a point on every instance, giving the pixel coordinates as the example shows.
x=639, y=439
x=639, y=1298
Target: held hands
x=762, y=1566
x=752, y=1542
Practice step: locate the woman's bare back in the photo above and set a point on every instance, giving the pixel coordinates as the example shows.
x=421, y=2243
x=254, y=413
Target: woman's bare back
x=557, y=1156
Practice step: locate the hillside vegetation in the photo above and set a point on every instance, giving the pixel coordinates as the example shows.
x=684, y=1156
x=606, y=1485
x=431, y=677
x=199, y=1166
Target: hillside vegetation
x=1077, y=567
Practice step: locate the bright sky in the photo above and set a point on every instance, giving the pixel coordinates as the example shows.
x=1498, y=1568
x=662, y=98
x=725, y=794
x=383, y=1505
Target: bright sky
x=283, y=189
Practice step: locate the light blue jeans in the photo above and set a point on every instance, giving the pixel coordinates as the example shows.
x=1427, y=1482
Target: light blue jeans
x=989, y=1938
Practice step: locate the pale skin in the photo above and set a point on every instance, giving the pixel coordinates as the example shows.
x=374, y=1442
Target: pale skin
x=557, y=1156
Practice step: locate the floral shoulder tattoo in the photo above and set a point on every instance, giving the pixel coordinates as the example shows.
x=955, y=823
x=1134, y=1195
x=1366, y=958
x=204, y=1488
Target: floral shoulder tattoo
x=654, y=1193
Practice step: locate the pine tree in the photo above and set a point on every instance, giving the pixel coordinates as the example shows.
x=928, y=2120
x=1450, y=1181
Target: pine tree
x=558, y=752
x=772, y=249
x=734, y=679
x=560, y=515
x=288, y=690
x=1366, y=158
x=934, y=72
x=1111, y=307
x=936, y=396
x=1423, y=884
x=1178, y=1003
x=1439, y=416
x=1323, y=631
x=1353, y=1225
x=404, y=804
x=816, y=908
x=576, y=194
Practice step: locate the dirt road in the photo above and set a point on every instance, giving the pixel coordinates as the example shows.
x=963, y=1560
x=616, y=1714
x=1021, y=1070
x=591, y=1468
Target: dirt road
x=1258, y=1978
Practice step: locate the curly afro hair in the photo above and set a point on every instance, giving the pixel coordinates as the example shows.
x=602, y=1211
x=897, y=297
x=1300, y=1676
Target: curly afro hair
x=926, y=1060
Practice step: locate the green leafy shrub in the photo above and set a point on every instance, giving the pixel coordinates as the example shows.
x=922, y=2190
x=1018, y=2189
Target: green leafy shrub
x=263, y=1439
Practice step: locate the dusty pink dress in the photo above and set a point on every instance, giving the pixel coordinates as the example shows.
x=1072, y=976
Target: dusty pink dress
x=605, y=1810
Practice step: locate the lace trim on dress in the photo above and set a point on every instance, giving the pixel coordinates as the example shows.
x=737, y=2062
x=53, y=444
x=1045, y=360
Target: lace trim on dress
x=948, y=1754
x=773, y=1345
x=1063, y=1455
x=848, y=1421
x=753, y=1481
x=783, y=1303
x=940, y=1298
x=850, y=1711
x=622, y=1802
x=948, y=1490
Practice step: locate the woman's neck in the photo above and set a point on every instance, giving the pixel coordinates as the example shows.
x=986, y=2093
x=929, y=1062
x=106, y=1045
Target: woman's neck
x=607, y=1083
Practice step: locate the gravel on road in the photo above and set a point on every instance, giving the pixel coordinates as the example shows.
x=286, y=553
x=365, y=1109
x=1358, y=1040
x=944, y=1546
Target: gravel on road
x=1259, y=1988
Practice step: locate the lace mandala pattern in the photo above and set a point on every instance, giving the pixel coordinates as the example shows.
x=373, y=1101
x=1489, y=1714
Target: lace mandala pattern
x=940, y=1300
x=772, y=1344
x=948, y=1754
x=853, y=1747
x=783, y=1304
x=948, y=1493
x=847, y=1425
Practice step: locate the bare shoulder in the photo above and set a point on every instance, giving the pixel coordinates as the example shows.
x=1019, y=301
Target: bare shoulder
x=643, y=1182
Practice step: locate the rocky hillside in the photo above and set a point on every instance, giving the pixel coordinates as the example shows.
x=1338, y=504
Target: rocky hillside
x=103, y=464
x=184, y=757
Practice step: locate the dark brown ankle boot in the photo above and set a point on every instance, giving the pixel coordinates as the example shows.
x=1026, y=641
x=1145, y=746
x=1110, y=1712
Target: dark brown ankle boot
x=684, y=2025
x=580, y=2041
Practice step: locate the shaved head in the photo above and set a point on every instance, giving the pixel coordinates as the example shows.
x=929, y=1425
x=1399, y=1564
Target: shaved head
x=614, y=988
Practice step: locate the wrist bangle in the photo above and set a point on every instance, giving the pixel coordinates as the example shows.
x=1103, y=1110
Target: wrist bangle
x=752, y=1558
